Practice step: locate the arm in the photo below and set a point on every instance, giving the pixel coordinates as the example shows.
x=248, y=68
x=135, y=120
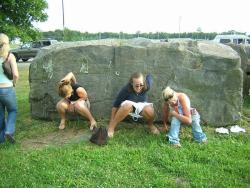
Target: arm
x=70, y=77
x=119, y=99
x=165, y=114
x=186, y=117
x=12, y=61
x=113, y=112
x=149, y=81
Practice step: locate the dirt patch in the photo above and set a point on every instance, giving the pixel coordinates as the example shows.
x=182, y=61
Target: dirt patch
x=58, y=138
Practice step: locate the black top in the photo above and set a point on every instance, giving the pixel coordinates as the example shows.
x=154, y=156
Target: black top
x=74, y=96
x=125, y=94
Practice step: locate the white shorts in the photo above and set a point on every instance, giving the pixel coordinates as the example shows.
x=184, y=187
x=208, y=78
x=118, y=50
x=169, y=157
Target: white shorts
x=138, y=108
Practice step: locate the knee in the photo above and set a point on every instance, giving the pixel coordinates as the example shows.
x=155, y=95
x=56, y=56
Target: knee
x=127, y=108
x=60, y=106
x=80, y=105
x=149, y=111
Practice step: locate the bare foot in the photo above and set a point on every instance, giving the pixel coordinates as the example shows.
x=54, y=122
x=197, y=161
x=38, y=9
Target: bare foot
x=154, y=130
x=204, y=141
x=163, y=129
x=92, y=125
x=110, y=133
x=176, y=145
x=62, y=126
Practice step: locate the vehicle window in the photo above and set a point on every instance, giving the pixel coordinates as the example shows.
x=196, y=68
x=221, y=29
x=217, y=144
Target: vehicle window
x=248, y=41
x=224, y=41
x=240, y=41
x=46, y=43
x=235, y=41
x=36, y=44
x=26, y=45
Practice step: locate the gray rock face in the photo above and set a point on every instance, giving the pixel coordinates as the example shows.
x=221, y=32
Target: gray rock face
x=242, y=50
x=209, y=73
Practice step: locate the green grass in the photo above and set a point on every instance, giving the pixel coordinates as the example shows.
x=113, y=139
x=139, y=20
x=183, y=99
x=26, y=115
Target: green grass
x=133, y=158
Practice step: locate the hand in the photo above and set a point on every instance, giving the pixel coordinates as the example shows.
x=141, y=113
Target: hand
x=164, y=128
x=173, y=113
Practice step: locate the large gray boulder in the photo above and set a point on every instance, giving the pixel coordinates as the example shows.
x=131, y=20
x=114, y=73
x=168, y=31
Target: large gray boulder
x=209, y=73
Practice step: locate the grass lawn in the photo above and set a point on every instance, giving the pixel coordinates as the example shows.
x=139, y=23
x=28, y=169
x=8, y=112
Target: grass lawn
x=46, y=157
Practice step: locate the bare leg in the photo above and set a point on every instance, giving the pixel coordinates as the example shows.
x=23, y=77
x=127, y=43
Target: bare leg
x=62, y=107
x=148, y=114
x=165, y=118
x=122, y=112
x=82, y=109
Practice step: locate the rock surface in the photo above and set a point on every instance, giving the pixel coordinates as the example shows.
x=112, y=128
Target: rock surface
x=208, y=72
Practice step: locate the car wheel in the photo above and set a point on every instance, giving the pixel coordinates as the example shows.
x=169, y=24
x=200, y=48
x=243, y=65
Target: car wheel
x=24, y=60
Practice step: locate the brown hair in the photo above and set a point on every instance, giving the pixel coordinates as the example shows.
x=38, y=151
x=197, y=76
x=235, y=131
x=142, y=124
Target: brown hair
x=64, y=89
x=135, y=76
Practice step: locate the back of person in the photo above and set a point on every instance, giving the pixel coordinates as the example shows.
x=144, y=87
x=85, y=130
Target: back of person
x=7, y=92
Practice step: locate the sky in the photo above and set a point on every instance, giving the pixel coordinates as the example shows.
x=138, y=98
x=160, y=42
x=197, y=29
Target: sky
x=131, y=16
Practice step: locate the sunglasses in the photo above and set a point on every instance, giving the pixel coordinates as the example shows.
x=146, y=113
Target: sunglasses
x=139, y=85
x=169, y=97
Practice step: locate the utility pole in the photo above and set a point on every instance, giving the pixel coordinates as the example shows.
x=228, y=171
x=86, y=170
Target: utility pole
x=179, y=26
x=63, y=18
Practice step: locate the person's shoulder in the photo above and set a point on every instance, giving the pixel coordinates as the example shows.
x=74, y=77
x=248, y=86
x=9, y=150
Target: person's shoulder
x=183, y=96
x=124, y=89
x=75, y=85
x=11, y=58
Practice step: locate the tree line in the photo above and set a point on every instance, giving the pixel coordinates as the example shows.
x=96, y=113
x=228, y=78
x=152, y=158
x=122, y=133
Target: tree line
x=71, y=35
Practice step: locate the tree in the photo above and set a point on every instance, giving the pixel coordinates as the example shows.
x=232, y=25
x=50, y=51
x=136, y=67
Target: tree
x=17, y=17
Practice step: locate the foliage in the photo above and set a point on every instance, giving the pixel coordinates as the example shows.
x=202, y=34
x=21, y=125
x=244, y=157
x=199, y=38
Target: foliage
x=70, y=35
x=231, y=32
x=133, y=158
x=17, y=17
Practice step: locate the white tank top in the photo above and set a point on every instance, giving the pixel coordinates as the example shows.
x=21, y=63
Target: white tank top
x=3, y=78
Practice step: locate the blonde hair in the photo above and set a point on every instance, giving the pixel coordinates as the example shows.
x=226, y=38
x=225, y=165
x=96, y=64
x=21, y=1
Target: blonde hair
x=64, y=89
x=167, y=93
x=4, y=45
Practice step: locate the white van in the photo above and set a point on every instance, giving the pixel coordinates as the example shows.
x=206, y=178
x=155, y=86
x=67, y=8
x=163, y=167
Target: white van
x=236, y=39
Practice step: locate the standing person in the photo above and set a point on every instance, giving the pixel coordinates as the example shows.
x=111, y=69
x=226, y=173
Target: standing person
x=177, y=106
x=74, y=99
x=7, y=92
x=131, y=100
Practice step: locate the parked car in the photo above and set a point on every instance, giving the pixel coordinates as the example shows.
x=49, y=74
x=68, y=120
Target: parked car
x=236, y=39
x=30, y=50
